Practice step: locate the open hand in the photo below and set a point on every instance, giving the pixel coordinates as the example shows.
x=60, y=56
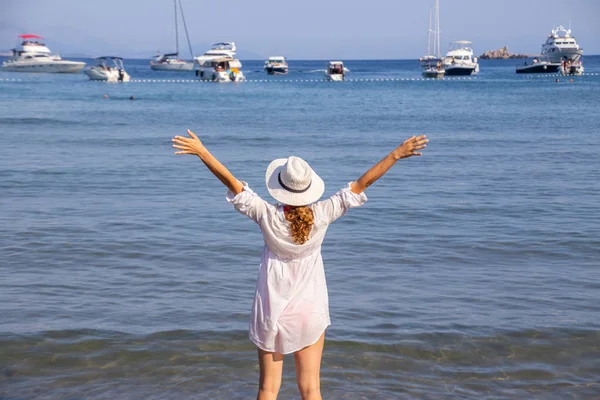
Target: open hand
x=191, y=145
x=411, y=147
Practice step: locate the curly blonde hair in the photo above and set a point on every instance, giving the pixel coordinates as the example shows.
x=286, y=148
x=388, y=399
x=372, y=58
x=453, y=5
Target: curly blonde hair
x=301, y=220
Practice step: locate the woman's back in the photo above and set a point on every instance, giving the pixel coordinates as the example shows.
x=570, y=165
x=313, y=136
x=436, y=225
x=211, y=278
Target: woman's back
x=276, y=229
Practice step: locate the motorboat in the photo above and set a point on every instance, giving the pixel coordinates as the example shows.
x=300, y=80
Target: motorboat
x=538, y=66
x=459, y=60
x=171, y=61
x=561, y=46
x=335, y=71
x=219, y=69
x=432, y=67
x=31, y=55
x=569, y=67
x=432, y=63
x=109, y=69
x=276, y=65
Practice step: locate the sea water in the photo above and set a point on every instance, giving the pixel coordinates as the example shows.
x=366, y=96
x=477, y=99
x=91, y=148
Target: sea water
x=471, y=272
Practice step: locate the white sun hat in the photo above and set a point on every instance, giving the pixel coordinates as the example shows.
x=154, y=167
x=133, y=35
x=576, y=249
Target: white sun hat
x=292, y=181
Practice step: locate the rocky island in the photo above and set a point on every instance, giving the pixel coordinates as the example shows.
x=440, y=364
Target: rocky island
x=500, y=54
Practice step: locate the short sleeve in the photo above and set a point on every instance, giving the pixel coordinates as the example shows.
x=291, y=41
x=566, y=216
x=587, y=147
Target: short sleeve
x=338, y=204
x=248, y=203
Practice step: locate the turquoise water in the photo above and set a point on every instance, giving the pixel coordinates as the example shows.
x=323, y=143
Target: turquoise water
x=471, y=272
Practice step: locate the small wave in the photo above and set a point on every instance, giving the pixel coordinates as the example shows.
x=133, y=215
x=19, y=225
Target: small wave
x=90, y=364
x=37, y=121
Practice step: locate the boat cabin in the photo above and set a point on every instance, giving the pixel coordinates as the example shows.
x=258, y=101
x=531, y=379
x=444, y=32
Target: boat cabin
x=166, y=58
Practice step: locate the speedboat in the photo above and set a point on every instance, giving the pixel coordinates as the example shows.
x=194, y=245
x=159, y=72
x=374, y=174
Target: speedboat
x=33, y=56
x=335, y=71
x=276, y=65
x=109, y=69
x=171, y=62
x=219, y=69
x=433, y=67
x=459, y=59
x=561, y=46
x=537, y=66
x=569, y=67
x=432, y=64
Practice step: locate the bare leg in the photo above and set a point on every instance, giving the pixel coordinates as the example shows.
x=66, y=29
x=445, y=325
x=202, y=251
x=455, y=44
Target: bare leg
x=271, y=368
x=308, y=370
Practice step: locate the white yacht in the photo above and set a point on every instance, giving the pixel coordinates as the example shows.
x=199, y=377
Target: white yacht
x=171, y=61
x=335, y=71
x=432, y=63
x=33, y=56
x=276, y=65
x=109, y=69
x=459, y=60
x=218, y=64
x=561, y=46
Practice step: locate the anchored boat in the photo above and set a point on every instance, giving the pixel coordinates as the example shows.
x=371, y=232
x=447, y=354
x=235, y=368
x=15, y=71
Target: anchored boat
x=459, y=59
x=335, y=71
x=109, y=69
x=276, y=65
x=31, y=55
x=171, y=61
x=432, y=63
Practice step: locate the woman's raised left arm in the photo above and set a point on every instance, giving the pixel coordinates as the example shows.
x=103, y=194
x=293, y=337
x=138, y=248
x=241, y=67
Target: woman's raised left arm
x=193, y=145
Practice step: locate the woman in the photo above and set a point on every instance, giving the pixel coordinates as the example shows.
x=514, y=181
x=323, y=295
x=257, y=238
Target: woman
x=291, y=309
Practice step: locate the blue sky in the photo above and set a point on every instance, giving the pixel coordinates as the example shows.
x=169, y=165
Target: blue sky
x=308, y=29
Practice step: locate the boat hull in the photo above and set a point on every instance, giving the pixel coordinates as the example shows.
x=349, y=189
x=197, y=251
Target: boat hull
x=276, y=70
x=563, y=55
x=220, y=76
x=433, y=73
x=335, y=77
x=183, y=66
x=546, y=68
x=460, y=70
x=57, y=67
x=573, y=70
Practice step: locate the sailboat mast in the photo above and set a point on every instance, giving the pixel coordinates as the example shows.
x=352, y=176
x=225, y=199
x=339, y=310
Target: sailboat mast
x=437, y=29
x=176, y=30
x=429, y=36
x=186, y=31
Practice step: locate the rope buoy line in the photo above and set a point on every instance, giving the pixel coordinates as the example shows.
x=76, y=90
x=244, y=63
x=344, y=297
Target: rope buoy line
x=471, y=78
x=302, y=80
x=558, y=75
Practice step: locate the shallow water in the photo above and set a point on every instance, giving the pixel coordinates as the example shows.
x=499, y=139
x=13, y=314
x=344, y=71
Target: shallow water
x=471, y=272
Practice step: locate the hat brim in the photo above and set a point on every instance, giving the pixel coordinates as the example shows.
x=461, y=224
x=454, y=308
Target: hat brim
x=314, y=193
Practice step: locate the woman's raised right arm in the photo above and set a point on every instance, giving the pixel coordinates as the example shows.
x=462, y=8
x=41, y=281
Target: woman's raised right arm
x=193, y=145
x=407, y=149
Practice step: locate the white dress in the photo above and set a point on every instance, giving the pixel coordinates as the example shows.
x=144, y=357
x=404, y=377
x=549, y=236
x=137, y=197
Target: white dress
x=291, y=306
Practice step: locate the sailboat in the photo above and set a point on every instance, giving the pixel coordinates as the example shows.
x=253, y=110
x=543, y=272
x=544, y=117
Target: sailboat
x=171, y=61
x=432, y=63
